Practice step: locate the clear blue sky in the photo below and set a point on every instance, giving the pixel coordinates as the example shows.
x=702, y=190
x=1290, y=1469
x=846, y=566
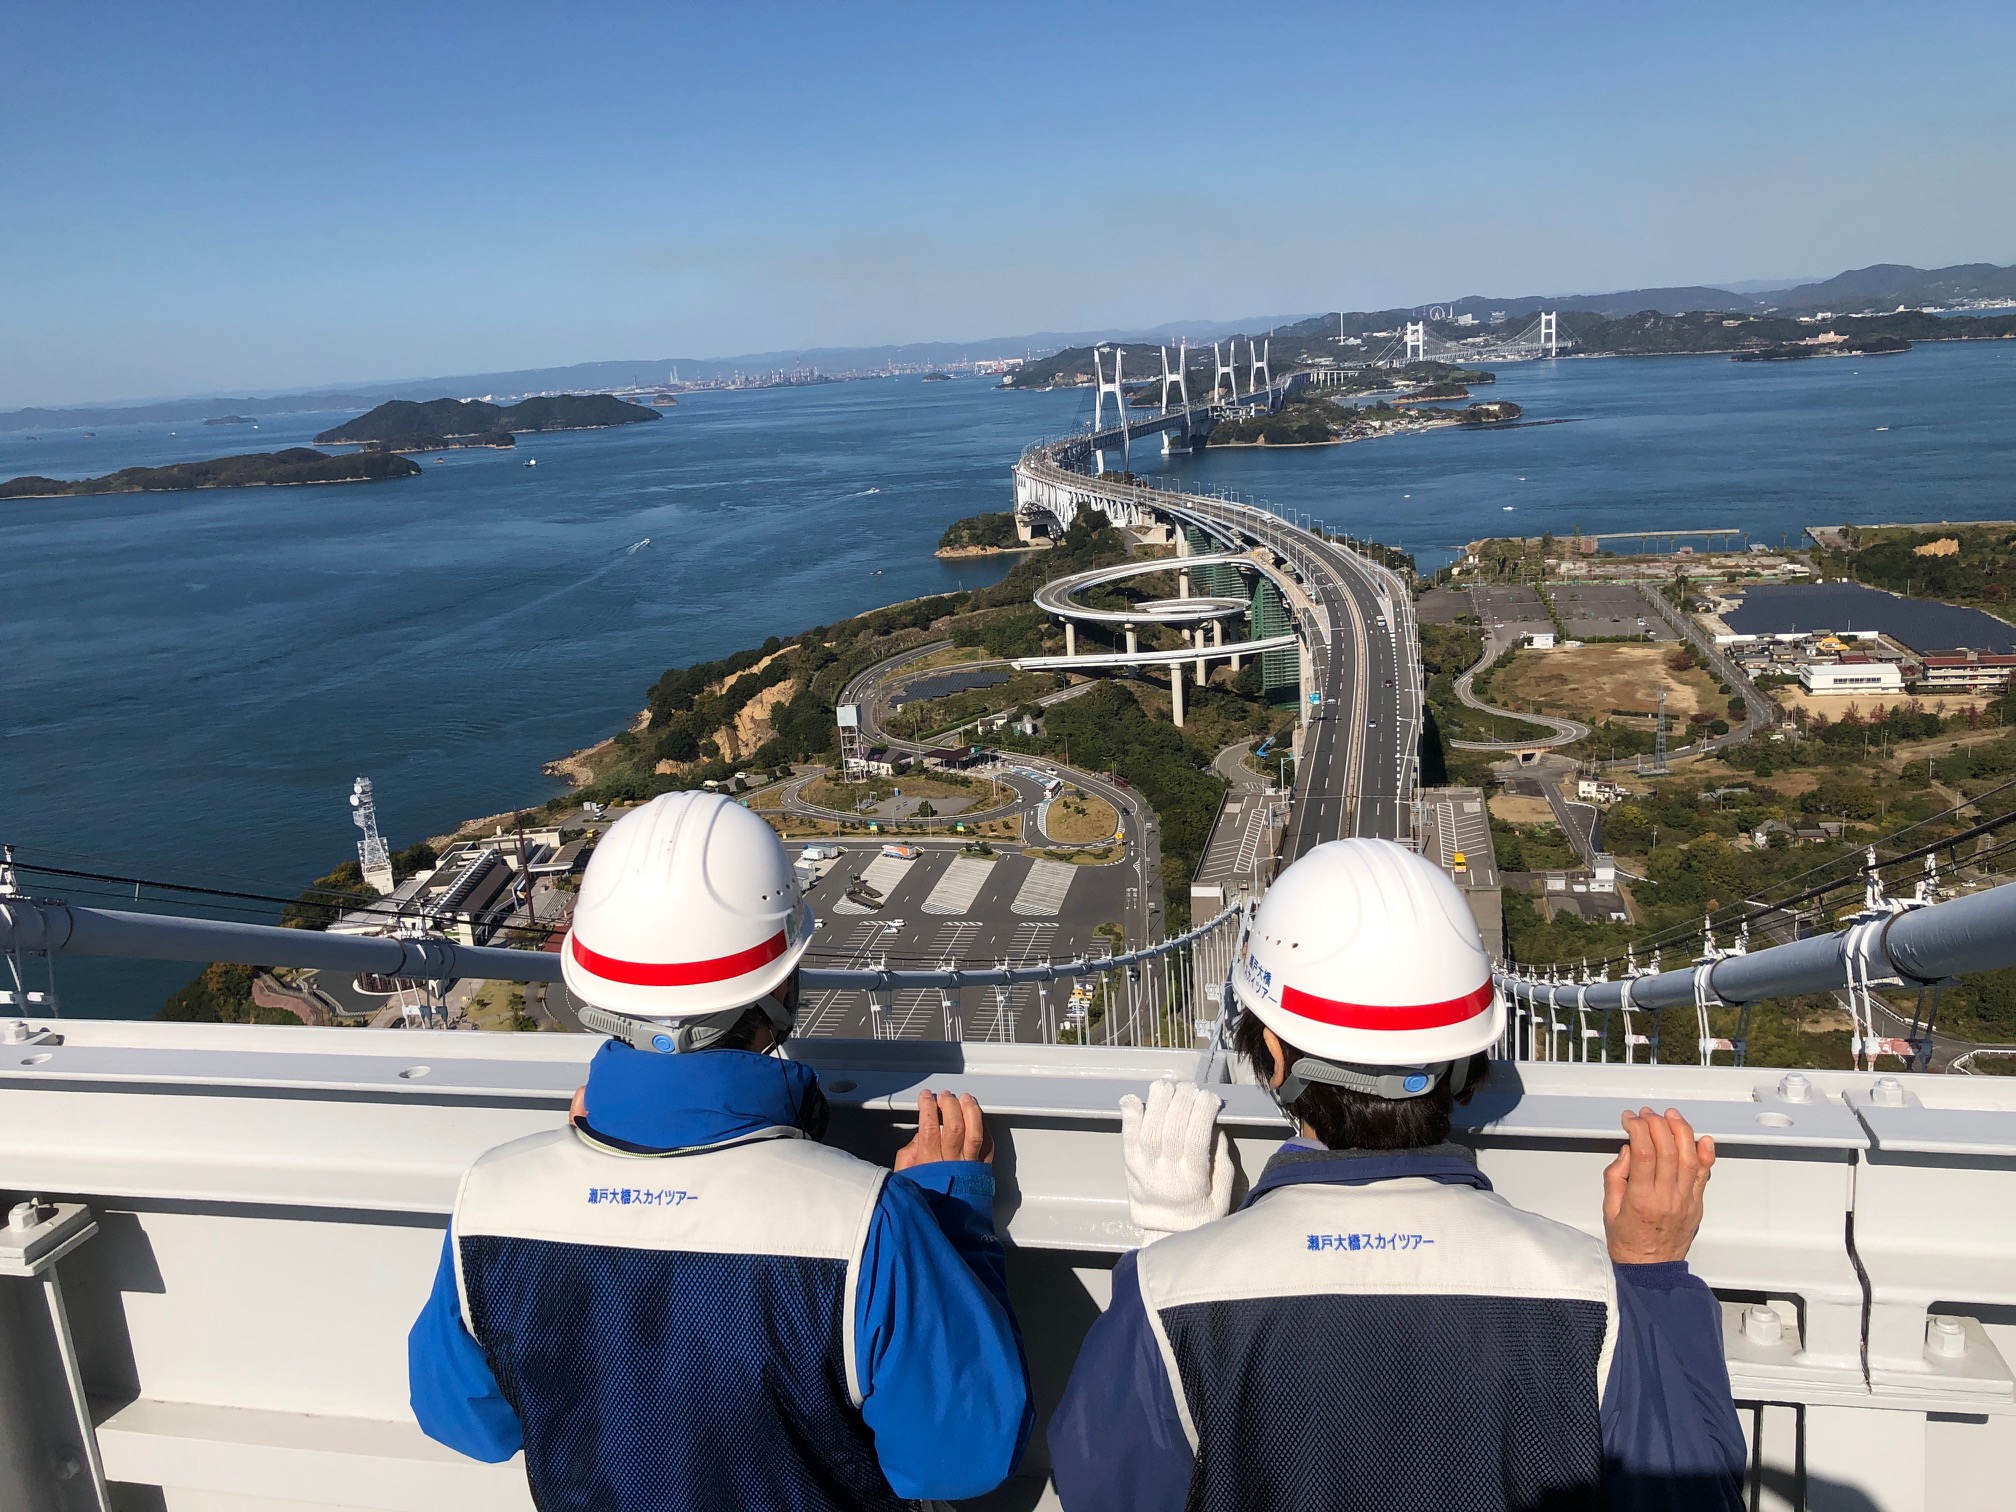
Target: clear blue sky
x=213, y=197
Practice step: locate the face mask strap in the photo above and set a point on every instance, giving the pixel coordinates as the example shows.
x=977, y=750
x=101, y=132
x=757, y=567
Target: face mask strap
x=662, y=1038
x=1393, y=1083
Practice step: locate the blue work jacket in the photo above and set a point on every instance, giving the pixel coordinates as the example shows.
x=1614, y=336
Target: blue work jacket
x=1381, y=1330
x=689, y=1304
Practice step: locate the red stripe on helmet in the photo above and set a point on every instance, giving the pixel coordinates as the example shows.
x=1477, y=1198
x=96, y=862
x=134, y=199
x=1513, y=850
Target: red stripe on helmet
x=679, y=973
x=1441, y=1015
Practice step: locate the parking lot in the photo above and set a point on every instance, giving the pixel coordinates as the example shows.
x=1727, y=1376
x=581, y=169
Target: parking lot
x=946, y=908
x=1511, y=611
x=1590, y=611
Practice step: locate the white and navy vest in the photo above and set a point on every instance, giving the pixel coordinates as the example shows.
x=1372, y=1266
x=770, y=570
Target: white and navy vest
x=1406, y=1344
x=675, y=1332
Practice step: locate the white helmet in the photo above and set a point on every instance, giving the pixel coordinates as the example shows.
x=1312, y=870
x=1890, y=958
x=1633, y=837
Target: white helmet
x=688, y=911
x=1364, y=955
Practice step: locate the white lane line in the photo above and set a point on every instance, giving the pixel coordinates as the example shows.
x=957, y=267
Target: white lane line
x=1044, y=889
x=826, y=1013
x=960, y=885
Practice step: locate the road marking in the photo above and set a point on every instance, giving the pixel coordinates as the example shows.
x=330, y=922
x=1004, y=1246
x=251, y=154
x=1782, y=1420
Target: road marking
x=881, y=878
x=1044, y=889
x=960, y=885
x=826, y=1013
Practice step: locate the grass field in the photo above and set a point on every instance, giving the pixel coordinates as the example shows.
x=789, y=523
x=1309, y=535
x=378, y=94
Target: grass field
x=1080, y=819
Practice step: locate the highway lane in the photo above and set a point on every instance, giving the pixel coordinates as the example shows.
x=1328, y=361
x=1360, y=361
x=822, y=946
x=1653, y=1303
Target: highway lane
x=1351, y=779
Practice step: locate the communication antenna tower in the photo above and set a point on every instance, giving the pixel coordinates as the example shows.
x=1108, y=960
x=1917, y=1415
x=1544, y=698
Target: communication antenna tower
x=1659, y=739
x=853, y=758
x=372, y=856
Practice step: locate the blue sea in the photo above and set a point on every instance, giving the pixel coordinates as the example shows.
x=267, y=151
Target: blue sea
x=192, y=680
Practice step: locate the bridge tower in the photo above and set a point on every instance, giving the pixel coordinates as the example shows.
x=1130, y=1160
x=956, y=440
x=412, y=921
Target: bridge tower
x=1417, y=340
x=1179, y=381
x=1224, y=373
x=1550, y=332
x=1099, y=403
x=1261, y=377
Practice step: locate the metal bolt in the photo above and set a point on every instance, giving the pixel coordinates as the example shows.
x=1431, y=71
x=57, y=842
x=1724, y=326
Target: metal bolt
x=1946, y=1337
x=1795, y=1087
x=1887, y=1093
x=27, y=1215
x=14, y=1032
x=1762, y=1325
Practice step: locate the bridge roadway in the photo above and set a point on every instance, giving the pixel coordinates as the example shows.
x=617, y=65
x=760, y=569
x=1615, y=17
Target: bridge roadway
x=1360, y=757
x=1356, y=771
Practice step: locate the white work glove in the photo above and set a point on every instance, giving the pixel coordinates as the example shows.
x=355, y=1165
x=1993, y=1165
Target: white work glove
x=1179, y=1172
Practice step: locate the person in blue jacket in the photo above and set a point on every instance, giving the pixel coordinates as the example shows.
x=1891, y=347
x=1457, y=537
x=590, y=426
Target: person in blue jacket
x=682, y=1299
x=1375, y=1328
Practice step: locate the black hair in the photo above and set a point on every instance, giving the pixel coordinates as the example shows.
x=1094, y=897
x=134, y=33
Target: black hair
x=743, y=1036
x=1347, y=1120
x=747, y=1030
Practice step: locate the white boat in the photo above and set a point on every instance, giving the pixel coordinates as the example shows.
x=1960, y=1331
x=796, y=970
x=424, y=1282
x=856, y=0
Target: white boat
x=531, y=461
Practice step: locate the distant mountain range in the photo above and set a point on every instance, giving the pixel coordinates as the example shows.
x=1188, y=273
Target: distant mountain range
x=1882, y=286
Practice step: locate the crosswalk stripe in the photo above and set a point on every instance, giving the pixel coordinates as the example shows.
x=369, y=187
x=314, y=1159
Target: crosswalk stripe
x=960, y=885
x=1044, y=889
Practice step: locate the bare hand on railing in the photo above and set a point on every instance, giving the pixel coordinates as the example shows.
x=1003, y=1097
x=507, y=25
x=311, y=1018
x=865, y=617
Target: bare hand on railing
x=1652, y=1191
x=948, y=1128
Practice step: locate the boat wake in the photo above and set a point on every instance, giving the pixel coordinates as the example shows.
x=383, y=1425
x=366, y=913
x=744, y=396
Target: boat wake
x=863, y=493
x=639, y=546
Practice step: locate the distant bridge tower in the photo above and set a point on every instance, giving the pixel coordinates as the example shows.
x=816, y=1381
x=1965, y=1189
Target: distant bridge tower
x=1550, y=332
x=1177, y=382
x=1417, y=341
x=372, y=857
x=1262, y=378
x=1224, y=373
x=1099, y=401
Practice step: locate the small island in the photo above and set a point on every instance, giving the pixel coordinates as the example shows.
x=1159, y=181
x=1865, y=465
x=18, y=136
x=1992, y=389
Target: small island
x=402, y=425
x=1325, y=422
x=231, y=420
x=981, y=535
x=1798, y=351
x=296, y=466
x=936, y=378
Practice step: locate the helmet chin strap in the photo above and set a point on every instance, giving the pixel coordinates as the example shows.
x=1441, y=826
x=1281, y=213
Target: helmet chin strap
x=661, y=1037
x=1394, y=1083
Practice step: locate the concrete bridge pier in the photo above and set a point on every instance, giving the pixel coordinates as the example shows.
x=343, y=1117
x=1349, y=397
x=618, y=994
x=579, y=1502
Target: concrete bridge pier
x=1070, y=639
x=1176, y=694
x=1133, y=642
x=1197, y=637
